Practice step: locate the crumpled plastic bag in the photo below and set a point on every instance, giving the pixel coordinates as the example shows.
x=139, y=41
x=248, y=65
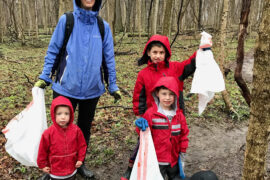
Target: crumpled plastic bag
x=146, y=165
x=208, y=78
x=23, y=132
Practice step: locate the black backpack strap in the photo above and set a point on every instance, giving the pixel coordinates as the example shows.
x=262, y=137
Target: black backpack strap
x=68, y=31
x=69, y=28
x=101, y=27
x=104, y=69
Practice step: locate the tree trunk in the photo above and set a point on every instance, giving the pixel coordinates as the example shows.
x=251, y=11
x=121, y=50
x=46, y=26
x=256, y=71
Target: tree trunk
x=223, y=26
x=240, y=51
x=118, y=17
x=138, y=17
x=20, y=21
x=167, y=18
x=45, y=19
x=36, y=18
x=153, y=20
x=200, y=15
x=129, y=8
x=257, y=136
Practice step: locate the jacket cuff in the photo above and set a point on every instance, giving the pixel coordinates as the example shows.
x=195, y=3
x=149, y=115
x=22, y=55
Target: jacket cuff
x=46, y=79
x=113, y=88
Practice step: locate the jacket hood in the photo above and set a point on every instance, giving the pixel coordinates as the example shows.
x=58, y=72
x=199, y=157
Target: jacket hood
x=156, y=38
x=170, y=83
x=61, y=100
x=96, y=7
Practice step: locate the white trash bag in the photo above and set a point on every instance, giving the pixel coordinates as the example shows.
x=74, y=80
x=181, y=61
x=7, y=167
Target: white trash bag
x=146, y=164
x=208, y=78
x=23, y=132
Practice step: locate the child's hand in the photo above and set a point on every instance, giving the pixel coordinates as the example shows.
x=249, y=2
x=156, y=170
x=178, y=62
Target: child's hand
x=78, y=164
x=141, y=123
x=46, y=170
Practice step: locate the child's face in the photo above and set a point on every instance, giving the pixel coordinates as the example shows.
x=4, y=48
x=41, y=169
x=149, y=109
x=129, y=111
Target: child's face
x=62, y=116
x=88, y=4
x=156, y=54
x=166, y=98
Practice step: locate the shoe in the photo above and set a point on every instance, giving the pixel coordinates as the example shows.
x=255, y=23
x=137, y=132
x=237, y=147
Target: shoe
x=83, y=171
x=44, y=177
x=127, y=174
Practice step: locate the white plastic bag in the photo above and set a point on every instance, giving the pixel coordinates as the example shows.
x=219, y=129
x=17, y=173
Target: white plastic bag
x=208, y=78
x=146, y=164
x=24, y=131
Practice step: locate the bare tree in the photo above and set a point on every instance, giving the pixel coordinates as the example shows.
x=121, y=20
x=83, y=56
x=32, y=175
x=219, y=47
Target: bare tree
x=153, y=17
x=240, y=51
x=259, y=123
x=138, y=17
x=167, y=18
x=223, y=27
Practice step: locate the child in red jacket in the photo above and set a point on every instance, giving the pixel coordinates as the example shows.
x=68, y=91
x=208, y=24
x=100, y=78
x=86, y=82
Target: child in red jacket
x=62, y=147
x=168, y=126
x=156, y=55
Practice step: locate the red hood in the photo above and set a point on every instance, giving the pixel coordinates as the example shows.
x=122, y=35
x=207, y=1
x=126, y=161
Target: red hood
x=156, y=38
x=169, y=82
x=60, y=100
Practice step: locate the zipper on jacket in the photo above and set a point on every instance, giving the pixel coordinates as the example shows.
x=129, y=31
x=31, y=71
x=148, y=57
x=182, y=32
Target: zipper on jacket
x=60, y=81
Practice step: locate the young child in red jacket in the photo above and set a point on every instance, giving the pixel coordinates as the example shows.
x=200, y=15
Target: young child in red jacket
x=168, y=126
x=62, y=147
x=156, y=55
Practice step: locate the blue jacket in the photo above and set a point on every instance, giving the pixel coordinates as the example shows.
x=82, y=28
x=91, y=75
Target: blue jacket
x=81, y=78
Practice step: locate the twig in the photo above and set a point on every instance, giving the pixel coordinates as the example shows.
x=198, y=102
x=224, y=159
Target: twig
x=125, y=53
x=28, y=80
x=105, y=107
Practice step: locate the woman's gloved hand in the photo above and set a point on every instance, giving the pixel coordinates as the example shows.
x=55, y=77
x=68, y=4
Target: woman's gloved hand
x=117, y=96
x=141, y=123
x=41, y=84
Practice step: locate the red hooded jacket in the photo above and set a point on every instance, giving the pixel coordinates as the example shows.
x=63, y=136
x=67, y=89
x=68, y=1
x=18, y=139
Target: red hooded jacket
x=170, y=138
x=60, y=148
x=148, y=76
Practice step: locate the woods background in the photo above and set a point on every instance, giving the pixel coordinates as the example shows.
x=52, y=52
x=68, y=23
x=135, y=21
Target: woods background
x=21, y=18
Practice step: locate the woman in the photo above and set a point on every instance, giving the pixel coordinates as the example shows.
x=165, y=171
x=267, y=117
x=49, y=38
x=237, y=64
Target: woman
x=80, y=79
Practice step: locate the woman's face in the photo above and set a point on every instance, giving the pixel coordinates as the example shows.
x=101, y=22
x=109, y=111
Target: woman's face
x=88, y=4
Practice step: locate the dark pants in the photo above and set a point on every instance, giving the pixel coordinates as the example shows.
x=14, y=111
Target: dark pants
x=86, y=113
x=171, y=172
x=70, y=178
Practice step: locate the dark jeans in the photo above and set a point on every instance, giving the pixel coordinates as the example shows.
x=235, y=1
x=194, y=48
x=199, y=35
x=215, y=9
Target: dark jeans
x=171, y=172
x=86, y=113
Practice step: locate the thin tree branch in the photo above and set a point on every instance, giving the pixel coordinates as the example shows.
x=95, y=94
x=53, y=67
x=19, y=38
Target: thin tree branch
x=178, y=22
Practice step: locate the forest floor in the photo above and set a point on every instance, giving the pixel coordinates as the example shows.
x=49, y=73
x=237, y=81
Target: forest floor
x=217, y=138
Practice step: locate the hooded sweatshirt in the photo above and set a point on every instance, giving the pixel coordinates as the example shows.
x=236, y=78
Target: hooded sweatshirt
x=169, y=135
x=148, y=76
x=81, y=76
x=60, y=148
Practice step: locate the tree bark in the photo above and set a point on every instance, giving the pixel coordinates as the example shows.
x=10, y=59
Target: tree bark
x=153, y=18
x=36, y=19
x=240, y=51
x=224, y=17
x=138, y=17
x=167, y=18
x=257, y=136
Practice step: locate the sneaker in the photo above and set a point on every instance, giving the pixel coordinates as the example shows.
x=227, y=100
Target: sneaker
x=84, y=172
x=127, y=174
